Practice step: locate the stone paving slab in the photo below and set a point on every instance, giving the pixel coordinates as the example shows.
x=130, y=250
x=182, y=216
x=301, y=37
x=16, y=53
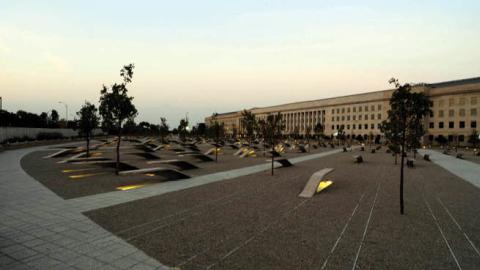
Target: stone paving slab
x=39, y=230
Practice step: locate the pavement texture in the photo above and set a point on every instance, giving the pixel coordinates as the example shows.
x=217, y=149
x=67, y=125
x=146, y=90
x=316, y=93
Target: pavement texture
x=257, y=221
x=41, y=230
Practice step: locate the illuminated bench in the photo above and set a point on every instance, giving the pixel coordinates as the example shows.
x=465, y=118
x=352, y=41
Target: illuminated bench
x=358, y=159
x=182, y=165
x=316, y=183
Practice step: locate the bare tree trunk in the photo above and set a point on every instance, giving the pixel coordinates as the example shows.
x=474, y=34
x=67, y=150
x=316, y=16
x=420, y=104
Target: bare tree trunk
x=117, y=166
x=401, y=174
x=272, y=158
x=216, y=149
x=88, y=145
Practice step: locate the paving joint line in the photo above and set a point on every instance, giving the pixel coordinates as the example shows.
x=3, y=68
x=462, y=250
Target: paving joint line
x=442, y=233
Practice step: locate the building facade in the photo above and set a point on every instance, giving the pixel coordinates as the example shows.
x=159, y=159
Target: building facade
x=456, y=113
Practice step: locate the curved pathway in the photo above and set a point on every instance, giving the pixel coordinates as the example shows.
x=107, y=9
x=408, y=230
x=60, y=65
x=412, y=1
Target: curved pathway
x=39, y=230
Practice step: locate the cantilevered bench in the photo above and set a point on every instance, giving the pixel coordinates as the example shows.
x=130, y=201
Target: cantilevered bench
x=200, y=157
x=410, y=163
x=60, y=153
x=358, y=159
x=180, y=164
x=146, y=155
x=167, y=173
x=248, y=153
x=302, y=149
x=274, y=153
x=311, y=187
x=282, y=161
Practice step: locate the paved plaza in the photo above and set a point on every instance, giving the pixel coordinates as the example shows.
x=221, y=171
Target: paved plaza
x=243, y=218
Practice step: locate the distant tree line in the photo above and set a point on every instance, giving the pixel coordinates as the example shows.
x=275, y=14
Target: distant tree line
x=27, y=119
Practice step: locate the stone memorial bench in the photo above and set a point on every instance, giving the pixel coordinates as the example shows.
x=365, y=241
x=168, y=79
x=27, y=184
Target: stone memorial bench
x=410, y=163
x=313, y=183
x=180, y=164
x=358, y=159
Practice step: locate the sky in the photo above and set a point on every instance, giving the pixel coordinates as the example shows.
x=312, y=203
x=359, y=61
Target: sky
x=199, y=57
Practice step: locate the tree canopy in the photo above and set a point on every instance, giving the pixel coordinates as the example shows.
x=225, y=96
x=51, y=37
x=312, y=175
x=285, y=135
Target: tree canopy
x=404, y=125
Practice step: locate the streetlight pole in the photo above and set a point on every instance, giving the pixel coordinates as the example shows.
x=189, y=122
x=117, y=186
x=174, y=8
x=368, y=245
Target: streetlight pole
x=66, y=111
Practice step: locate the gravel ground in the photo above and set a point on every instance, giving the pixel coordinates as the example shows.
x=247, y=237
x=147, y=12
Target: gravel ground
x=56, y=176
x=259, y=222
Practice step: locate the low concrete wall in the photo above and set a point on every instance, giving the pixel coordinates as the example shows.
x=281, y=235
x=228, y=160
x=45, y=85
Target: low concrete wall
x=12, y=132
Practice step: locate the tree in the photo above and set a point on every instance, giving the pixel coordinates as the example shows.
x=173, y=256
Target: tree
x=341, y=134
x=404, y=122
x=296, y=131
x=474, y=138
x=308, y=131
x=441, y=140
x=54, y=118
x=164, y=128
x=274, y=127
x=249, y=124
x=318, y=129
x=88, y=122
x=217, y=130
x=263, y=130
x=116, y=106
x=182, y=129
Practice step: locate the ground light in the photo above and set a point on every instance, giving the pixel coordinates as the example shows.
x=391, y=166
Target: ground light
x=323, y=185
x=77, y=170
x=129, y=187
x=79, y=176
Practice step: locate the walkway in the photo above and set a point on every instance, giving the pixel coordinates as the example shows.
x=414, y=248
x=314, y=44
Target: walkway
x=464, y=169
x=38, y=230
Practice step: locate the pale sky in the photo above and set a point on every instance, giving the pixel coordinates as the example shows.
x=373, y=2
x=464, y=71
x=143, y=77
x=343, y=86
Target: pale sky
x=211, y=56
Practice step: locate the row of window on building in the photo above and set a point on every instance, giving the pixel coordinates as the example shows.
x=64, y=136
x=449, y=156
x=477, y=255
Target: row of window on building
x=451, y=124
x=451, y=102
x=451, y=113
x=354, y=117
x=355, y=126
x=354, y=109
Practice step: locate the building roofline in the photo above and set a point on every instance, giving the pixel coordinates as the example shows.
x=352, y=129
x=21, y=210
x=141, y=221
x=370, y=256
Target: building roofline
x=432, y=85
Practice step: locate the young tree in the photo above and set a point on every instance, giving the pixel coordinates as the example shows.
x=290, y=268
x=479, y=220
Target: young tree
x=182, y=129
x=116, y=106
x=405, y=117
x=274, y=127
x=249, y=124
x=474, y=138
x=318, y=129
x=341, y=134
x=216, y=130
x=263, y=130
x=308, y=131
x=164, y=128
x=88, y=122
x=393, y=134
x=54, y=117
x=441, y=140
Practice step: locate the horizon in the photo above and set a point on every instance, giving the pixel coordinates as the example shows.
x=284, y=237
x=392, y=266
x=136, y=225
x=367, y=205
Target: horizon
x=222, y=57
